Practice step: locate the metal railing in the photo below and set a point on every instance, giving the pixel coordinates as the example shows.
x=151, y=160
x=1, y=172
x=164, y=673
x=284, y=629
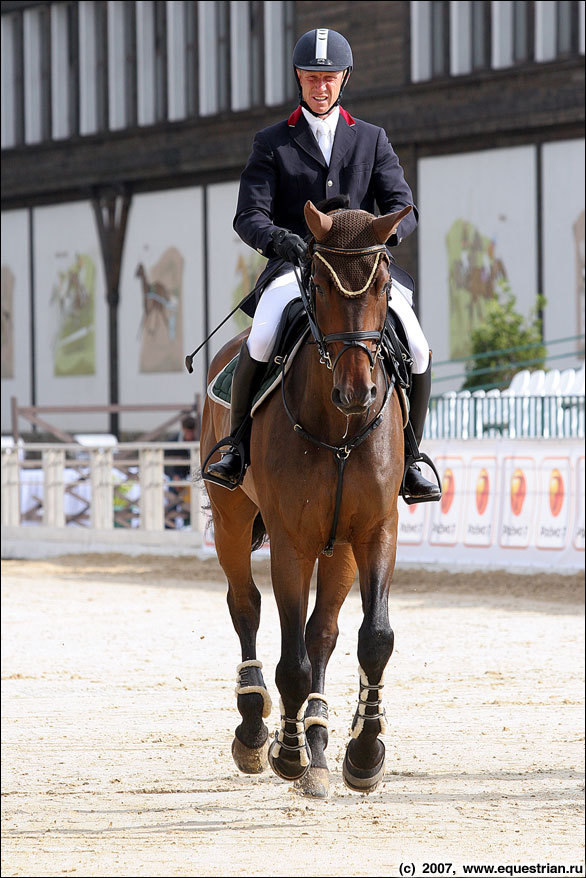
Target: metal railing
x=466, y=415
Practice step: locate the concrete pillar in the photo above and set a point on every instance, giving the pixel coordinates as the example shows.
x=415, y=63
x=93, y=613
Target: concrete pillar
x=53, y=509
x=10, y=488
x=151, y=488
x=102, y=508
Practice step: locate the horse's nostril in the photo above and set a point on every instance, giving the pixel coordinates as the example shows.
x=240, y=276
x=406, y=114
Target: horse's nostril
x=337, y=398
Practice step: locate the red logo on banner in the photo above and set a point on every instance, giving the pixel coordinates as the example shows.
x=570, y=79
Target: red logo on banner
x=518, y=491
x=482, y=491
x=556, y=492
x=448, y=490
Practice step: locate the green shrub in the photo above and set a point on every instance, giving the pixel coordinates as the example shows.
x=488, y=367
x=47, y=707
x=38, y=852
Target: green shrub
x=505, y=343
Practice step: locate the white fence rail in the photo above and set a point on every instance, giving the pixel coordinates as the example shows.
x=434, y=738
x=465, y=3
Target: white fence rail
x=506, y=503
x=112, y=494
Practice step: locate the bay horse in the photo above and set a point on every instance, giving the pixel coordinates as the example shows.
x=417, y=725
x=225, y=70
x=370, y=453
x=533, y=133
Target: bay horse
x=339, y=400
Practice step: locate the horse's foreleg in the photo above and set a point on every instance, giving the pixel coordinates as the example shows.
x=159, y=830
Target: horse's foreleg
x=289, y=754
x=365, y=754
x=234, y=515
x=335, y=576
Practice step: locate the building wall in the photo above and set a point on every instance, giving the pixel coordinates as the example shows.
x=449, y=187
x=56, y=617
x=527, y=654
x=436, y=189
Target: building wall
x=183, y=177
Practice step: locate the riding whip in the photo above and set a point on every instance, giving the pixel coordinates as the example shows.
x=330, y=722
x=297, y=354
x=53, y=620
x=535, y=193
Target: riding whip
x=189, y=357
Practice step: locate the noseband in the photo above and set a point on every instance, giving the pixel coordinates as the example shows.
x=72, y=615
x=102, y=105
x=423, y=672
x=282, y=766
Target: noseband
x=348, y=339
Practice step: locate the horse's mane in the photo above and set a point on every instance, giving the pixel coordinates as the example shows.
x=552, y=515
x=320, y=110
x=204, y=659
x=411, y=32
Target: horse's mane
x=336, y=202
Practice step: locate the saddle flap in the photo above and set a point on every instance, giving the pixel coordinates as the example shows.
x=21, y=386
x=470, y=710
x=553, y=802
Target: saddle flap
x=293, y=327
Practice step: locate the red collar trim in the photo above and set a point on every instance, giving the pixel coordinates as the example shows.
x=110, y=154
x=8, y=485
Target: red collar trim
x=295, y=115
x=347, y=117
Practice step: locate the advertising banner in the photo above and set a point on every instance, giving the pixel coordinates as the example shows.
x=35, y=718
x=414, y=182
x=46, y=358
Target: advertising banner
x=506, y=504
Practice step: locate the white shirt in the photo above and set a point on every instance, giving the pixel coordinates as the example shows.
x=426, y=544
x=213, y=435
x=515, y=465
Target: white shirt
x=324, y=130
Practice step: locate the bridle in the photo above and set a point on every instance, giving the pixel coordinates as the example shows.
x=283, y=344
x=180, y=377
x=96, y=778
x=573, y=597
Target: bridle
x=308, y=292
x=349, y=340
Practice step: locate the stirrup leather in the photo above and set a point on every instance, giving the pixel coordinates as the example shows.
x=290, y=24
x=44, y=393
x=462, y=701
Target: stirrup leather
x=414, y=455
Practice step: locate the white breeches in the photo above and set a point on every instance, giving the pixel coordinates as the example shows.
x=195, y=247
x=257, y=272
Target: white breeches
x=281, y=291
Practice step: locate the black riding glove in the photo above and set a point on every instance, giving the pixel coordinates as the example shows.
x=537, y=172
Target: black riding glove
x=289, y=246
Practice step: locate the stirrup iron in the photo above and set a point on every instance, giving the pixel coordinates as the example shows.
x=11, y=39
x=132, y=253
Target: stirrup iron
x=231, y=443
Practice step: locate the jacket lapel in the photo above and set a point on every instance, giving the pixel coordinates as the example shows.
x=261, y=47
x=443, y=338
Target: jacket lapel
x=344, y=139
x=303, y=136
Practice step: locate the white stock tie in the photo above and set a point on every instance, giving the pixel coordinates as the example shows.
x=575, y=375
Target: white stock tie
x=324, y=140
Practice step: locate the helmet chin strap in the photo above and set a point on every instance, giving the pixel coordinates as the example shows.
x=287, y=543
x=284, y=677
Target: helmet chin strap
x=306, y=106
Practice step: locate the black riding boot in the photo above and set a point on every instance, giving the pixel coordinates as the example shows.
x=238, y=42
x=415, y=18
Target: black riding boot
x=245, y=383
x=415, y=485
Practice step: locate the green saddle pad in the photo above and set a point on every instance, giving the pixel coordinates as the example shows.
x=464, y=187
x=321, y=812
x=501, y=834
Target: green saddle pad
x=220, y=388
x=293, y=328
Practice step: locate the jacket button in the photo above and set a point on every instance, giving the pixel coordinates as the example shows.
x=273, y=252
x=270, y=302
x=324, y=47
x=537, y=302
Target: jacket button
x=330, y=182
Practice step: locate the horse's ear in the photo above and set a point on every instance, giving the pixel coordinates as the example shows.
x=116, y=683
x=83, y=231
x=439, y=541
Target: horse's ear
x=385, y=226
x=318, y=223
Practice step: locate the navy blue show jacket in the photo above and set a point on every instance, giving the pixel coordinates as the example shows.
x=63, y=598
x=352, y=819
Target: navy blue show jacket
x=286, y=169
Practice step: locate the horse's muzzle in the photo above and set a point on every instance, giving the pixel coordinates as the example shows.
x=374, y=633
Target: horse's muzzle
x=351, y=402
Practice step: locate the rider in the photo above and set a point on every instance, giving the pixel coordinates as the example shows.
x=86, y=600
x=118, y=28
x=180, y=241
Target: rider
x=319, y=152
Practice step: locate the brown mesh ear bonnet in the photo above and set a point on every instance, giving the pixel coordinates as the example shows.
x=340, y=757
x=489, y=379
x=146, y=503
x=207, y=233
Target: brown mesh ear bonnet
x=351, y=229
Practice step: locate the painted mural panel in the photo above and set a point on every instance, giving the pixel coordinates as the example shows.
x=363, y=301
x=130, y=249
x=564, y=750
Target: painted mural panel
x=234, y=267
x=161, y=312
x=477, y=235
x=563, y=253
x=16, y=376
x=161, y=322
x=73, y=302
x=71, y=338
x=7, y=322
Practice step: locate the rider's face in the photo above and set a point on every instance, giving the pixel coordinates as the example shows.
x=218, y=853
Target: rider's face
x=320, y=90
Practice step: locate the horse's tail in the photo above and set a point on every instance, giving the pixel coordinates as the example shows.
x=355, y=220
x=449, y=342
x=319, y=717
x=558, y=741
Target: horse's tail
x=259, y=533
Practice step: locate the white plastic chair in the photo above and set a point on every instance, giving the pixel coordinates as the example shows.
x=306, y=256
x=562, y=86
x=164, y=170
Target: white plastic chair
x=567, y=379
x=519, y=385
x=578, y=386
x=552, y=383
x=537, y=382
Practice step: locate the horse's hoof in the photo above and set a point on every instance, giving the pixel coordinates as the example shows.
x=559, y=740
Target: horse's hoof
x=316, y=783
x=363, y=780
x=250, y=760
x=288, y=771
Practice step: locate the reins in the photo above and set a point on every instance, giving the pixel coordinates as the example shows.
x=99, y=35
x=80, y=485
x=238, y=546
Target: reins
x=350, y=339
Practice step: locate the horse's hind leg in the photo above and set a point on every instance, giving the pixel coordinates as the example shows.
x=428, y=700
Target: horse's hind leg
x=335, y=576
x=365, y=754
x=234, y=515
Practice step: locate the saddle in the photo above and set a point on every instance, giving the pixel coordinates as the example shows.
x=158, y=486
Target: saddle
x=292, y=331
x=291, y=334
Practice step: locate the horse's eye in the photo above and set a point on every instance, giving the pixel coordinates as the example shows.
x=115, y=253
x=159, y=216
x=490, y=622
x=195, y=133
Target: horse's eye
x=318, y=289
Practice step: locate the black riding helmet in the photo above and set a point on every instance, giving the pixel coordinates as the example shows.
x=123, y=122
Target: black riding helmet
x=321, y=50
